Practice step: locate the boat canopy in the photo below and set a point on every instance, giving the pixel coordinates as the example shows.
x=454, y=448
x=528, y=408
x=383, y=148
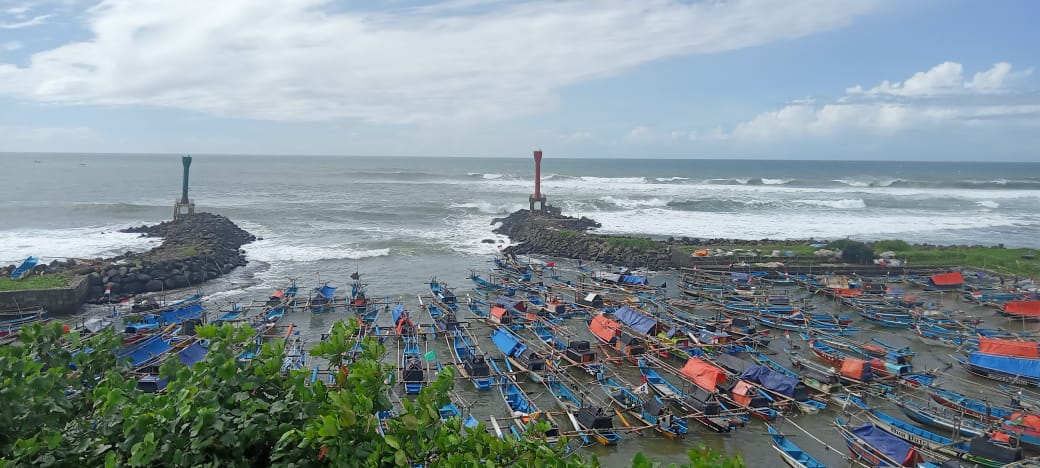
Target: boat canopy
x=1027, y=308
x=636, y=320
x=703, y=374
x=141, y=352
x=1028, y=421
x=856, y=369
x=507, y=342
x=608, y=277
x=192, y=354
x=1026, y=349
x=181, y=314
x=742, y=393
x=510, y=303
x=770, y=379
x=1009, y=365
x=397, y=312
x=604, y=328
x=631, y=279
x=895, y=448
x=327, y=291
x=947, y=279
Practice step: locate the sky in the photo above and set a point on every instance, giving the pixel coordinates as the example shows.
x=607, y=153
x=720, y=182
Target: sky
x=942, y=80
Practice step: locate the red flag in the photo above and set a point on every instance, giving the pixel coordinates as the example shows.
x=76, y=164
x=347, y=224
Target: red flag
x=550, y=264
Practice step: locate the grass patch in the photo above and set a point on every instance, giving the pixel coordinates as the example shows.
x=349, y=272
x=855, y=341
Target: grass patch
x=34, y=282
x=189, y=252
x=567, y=233
x=633, y=243
x=1007, y=261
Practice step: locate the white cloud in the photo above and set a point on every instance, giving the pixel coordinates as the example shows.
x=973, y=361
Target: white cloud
x=11, y=45
x=945, y=78
x=35, y=21
x=455, y=60
x=935, y=99
x=13, y=135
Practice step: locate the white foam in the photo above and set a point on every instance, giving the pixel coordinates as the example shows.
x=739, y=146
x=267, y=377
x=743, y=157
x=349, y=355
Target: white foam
x=623, y=202
x=988, y=204
x=490, y=208
x=274, y=249
x=783, y=224
x=848, y=204
x=83, y=242
x=492, y=176
x=671, y=179
x=766, y=181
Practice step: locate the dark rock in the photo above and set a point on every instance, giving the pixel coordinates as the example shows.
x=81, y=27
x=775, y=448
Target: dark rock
x=154, y=285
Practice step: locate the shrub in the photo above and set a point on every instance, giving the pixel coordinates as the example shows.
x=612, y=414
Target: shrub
x=894, y=245
x=857, y=252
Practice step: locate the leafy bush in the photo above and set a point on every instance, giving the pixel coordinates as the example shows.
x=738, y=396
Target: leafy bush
x=857, y=253
x=633, y=243
x=893, y=245
x=83, y=409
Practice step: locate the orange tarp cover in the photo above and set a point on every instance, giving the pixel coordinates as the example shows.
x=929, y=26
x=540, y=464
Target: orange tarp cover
x=1022, y=307
x=278, y=294
x=1026, y=349
x=700, y=253
x=1029, y=422
x=702, y=374
x=498, y=312
x=604, y=328
x=853, y=368
x=948, y=279
x=742, y=393
x=401, y=324
x=846, y=292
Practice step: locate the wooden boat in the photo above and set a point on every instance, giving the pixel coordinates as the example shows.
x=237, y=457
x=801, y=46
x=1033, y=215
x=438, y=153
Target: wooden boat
x=790, y=453
x=322, y=299
x=1014, y=370
x=704, y=406
x=358, y=294
x=876, y=447
x=523, y=410
x=966, y=427
x=443, y=295
x=590, y=420
x=25, y=268
x=470, y=360
x=960, y=403
x=944, y=445
x=518, y=354
x=650, y=411
x=413, y=368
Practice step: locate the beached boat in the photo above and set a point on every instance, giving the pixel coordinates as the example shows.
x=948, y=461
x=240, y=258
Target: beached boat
x=522, y=408
x=518, y=354
x=444, y=295
x=25, y=268
x=650, y=410
x=470, y=360
x=979, y=451
x=790, y=453
x=322, y=299
x=590, y=420
x=704, y=406
x=876, y=447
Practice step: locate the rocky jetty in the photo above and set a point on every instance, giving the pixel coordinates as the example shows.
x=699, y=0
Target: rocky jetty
x=564, y=236
x=195, y=248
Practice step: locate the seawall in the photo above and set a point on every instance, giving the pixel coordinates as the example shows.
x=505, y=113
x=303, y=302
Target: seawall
x=56, y=301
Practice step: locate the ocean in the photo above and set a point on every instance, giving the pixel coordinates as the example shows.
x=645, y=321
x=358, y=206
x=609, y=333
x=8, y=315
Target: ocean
x=401, y=221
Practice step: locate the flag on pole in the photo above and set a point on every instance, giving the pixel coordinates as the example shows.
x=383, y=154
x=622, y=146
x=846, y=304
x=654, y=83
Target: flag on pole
x=643, y=390
x=430, y=355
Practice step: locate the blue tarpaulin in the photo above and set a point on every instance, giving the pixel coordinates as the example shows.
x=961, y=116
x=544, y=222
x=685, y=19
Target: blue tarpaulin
x=397, y=312
x=739, y=276
x=140, y=352
x=1025, y=367
x=636, y=320
x=631, y=279
x=770, y=379
x=327, y=291
x=192, y=354
x=181, y=314
x=895, y=448
x=507, y=342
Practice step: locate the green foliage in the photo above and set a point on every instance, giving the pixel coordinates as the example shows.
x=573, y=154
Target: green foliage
x=841, y=244
x=633, y=243
x=84, y=409
x=893, y=245
x=1007, y=261
x=58, y=280
x=857, y=253
x=567, y=233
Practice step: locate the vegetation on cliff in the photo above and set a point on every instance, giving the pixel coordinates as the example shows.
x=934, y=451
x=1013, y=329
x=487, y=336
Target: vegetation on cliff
x=66, y=408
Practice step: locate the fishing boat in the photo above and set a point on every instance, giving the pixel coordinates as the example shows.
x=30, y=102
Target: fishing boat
x=589, y=419
x=1014, y=370
x=358, y=294
x=941, y=418
x=705, y=406
x=322, y=299
x=877, y=447
x=470, y=360
x=413, y=368
x=790, y=453
x=980, y=450
x=523, y=410
x=980, y=409
x=518, y=354
x=651, y=411
x=25, y=268
x=443, y=295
